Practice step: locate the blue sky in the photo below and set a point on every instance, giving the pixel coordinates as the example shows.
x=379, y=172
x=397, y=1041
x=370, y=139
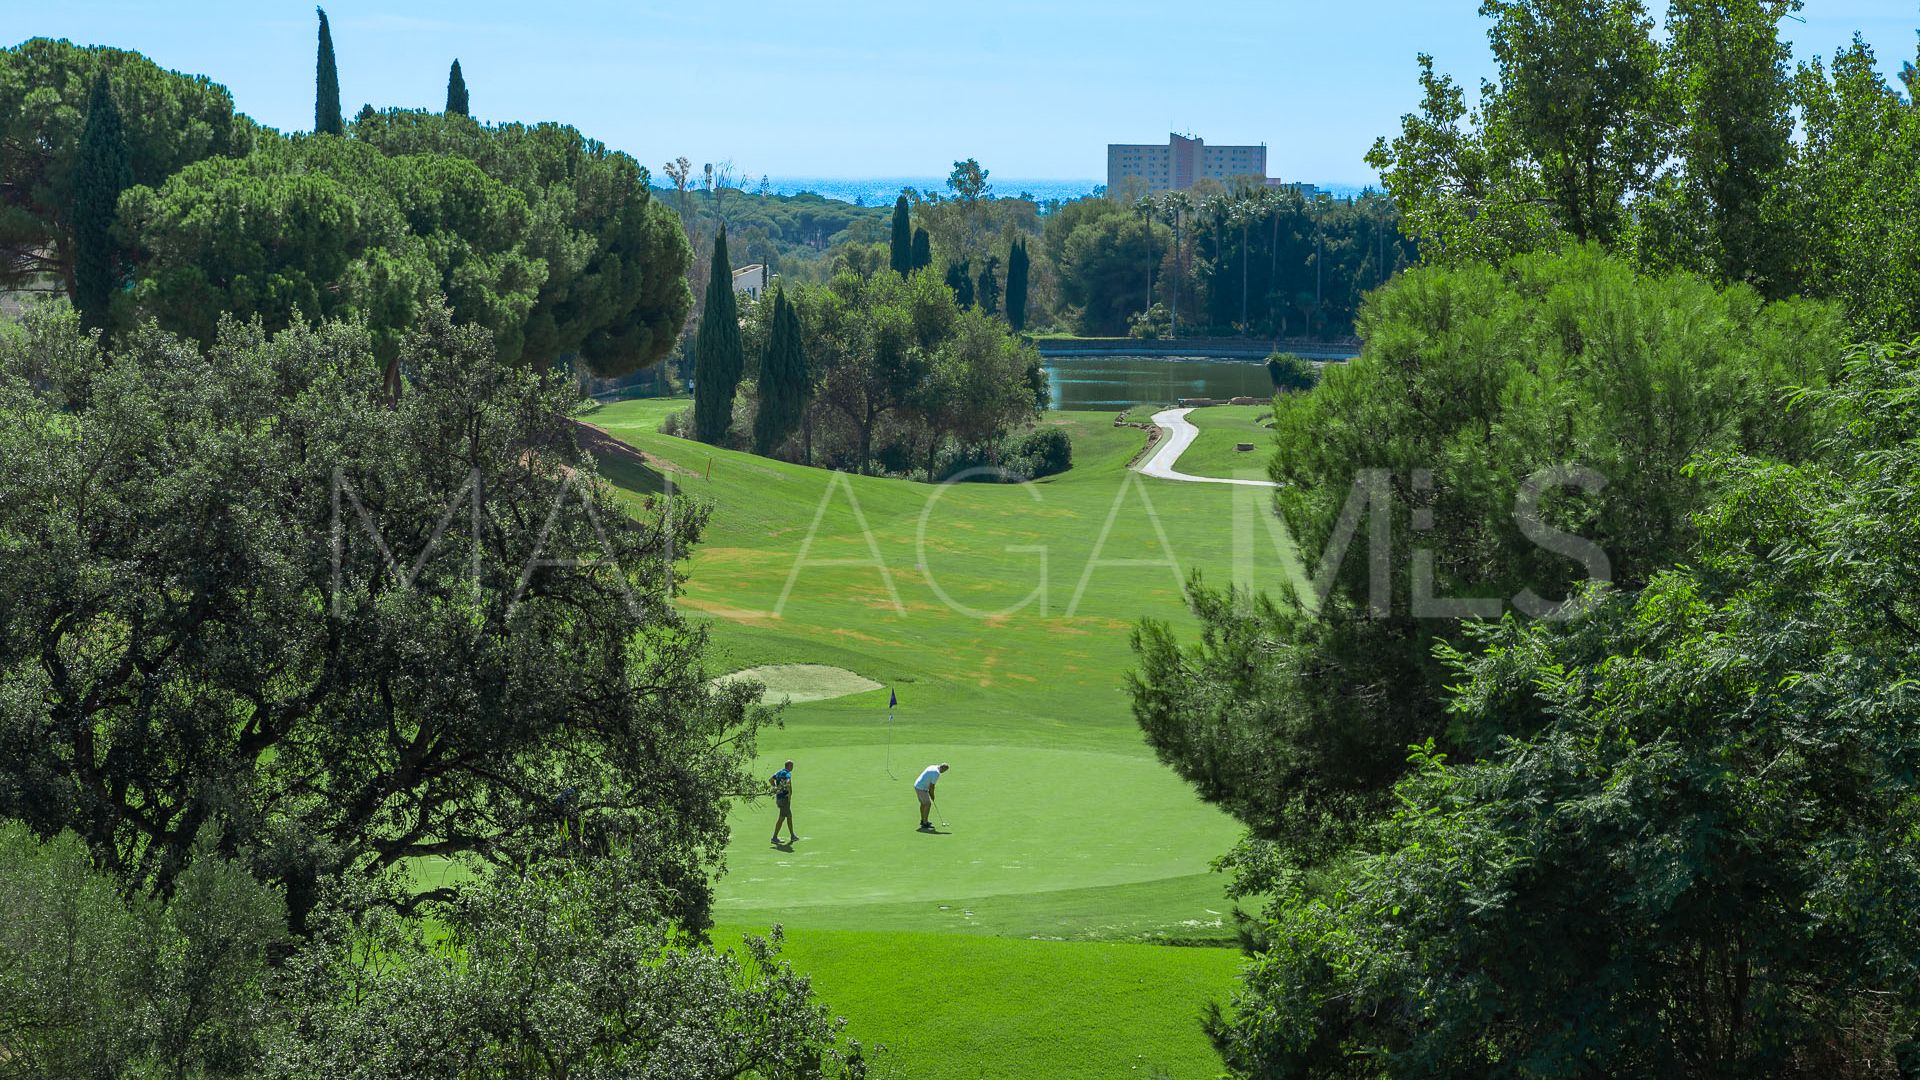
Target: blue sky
x=855, y=88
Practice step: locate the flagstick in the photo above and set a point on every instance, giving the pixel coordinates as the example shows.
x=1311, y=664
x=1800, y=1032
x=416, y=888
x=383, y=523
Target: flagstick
x=892, y=700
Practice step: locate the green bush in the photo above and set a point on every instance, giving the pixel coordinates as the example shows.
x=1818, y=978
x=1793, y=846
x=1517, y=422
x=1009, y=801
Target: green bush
x=1291, y=373
x=1692, y=853
x=92, y=984
x=564, y=968
x=1041, y=452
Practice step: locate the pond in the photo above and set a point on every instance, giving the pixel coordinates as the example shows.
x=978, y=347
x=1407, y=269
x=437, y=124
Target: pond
x=1115, y=382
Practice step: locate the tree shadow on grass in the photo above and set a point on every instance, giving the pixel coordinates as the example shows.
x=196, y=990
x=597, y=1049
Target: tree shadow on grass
x=624, y=466
x=630, y=475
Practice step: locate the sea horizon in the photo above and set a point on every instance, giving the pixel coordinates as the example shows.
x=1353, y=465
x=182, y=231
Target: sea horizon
x=882, y=190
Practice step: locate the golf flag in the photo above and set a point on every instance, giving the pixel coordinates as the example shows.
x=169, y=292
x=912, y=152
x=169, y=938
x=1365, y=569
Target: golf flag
x=892, y=700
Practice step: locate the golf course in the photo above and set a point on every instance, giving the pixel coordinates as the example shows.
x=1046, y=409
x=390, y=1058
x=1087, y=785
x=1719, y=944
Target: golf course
x=1068, y=865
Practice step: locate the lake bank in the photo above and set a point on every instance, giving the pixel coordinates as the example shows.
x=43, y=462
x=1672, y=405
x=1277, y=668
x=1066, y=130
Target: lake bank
x=1236, y=348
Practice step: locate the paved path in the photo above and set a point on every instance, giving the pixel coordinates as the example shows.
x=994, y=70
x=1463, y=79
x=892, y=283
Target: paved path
x=1179, y=436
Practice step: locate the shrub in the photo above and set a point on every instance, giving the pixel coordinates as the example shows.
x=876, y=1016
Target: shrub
x=1041, y=452
x=1150, y=325
x=92, y=984
x=1291, y=372
x=561, y=969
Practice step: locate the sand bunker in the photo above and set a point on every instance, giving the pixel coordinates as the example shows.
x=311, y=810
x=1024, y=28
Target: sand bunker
x=803, y=682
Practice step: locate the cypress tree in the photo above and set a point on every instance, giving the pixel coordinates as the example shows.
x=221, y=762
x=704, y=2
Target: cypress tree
x=961, y=282
x=902, y=250
x=326, y=97
x=717, y=359
x=922, y=249
x=783, y=380
x=1017, y=286
x=105, y=170
x=456, y=91
x=987, y=292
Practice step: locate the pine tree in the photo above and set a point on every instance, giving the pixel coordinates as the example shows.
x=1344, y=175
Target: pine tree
x=783, y=380
x=987, y=291
x=326, y=98
x=105, y=170
x=922, y=249
x=902, y=250
x=717, y=358
x=365, y=114
x=456, y=91
x=961, y=282
x=1017, y=286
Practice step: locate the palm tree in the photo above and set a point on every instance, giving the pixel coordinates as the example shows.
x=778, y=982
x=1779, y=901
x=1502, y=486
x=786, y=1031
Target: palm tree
x=1146, y=209
x=1174, y=206
x=1241, y=214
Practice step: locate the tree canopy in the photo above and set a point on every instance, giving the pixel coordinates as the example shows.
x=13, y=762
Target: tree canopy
x=104, y=173
x=246, y=591
x=456, y=91
x=901, y=377
x=168, y=120
x=1456, y=433
x=538, y=234
x=719, y=359
x=1692, y=853
x=326, y=83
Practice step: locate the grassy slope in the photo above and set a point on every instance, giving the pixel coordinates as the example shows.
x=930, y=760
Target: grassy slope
x=1221, y=428
x=1063, y=826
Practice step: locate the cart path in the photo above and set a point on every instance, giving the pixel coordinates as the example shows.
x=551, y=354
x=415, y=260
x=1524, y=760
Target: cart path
x=1180, y=435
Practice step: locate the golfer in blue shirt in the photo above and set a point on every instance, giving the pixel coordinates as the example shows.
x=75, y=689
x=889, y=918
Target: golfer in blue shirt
x=783, y=798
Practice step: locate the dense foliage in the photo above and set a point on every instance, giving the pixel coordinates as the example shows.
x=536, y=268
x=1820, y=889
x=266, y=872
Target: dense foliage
x=783, y=384
x=537, y=234
x=560, y=969
x=104, y=173
x=1248, y=260
x=457, y=101
x=1675, y=148
x=615, y=293
x=1496, y=416
x=168, y=120
x=93, y=983
x=1692, y=848
x=719, y=361
x=247, y=591
x=326, y=83
x=900, y=375
x=314, y=228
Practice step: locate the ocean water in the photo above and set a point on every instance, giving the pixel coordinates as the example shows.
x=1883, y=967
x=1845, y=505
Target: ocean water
x=882, y=190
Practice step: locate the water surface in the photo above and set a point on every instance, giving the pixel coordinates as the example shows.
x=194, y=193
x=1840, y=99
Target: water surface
x=1116, y=382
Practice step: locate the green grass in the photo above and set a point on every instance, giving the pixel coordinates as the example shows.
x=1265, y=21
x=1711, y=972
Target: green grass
x=1222, y=427
x=992, y=1008
x=1064, y=827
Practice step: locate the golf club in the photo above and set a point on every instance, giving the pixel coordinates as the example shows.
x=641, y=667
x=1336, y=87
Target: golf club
x=942, y=813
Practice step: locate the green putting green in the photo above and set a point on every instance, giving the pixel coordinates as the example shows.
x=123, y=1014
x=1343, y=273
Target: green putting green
x=1022, y=820
x=1001, y=617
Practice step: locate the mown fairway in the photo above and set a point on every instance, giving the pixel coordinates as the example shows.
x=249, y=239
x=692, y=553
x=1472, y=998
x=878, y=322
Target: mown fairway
x=1007, y=643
